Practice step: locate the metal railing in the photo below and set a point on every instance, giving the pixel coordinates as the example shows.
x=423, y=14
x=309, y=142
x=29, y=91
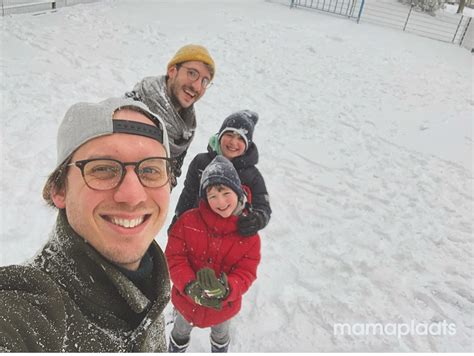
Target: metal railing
x=442, y=26
x=11, y=7
x=347, y=8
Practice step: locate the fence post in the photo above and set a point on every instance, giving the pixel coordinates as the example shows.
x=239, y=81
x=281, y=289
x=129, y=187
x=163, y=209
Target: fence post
x=465, y=31
x=457, y=29
x=3, y=10
x=409, y=13
x=351, y=11
x=360, y=10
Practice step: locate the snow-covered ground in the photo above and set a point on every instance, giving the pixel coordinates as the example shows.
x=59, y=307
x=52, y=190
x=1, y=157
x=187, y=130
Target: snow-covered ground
x=365, y=136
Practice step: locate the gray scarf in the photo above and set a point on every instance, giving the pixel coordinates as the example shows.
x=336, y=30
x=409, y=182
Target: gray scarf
x=153, y=92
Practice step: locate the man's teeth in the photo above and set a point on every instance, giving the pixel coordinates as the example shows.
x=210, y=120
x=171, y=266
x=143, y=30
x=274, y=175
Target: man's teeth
x=190, y=93
x=128, y=223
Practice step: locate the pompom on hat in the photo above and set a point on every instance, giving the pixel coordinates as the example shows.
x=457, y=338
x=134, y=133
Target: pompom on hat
x=221, y=171
x=193, y=52
x=242, y=122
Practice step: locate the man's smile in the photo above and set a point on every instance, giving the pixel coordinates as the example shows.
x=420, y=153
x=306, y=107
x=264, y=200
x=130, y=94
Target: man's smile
x=128, y=223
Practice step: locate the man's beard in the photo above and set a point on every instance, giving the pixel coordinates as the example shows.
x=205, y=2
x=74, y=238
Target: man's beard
x=175, y=101
x=173, y=98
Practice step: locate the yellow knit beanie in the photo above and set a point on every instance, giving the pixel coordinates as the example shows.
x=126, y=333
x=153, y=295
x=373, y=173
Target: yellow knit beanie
x=192, y=52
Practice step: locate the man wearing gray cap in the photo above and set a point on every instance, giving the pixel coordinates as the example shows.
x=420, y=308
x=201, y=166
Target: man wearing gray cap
x=101, y=282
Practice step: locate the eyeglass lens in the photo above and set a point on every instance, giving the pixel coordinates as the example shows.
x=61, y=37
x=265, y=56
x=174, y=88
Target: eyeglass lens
x=194, y=75
x=104, y=174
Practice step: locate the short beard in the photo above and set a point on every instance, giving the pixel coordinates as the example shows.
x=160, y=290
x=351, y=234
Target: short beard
x=122, y=261
x=174, y=100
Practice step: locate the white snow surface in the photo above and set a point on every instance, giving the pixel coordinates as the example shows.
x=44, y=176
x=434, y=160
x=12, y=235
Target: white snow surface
x=365, y=140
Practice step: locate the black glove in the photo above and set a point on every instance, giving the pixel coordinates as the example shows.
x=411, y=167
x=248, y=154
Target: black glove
x=213, y=287
x=250, y=224
x=196, y=293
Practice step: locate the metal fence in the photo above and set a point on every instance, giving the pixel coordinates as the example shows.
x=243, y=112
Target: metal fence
x=10, y=7
x=349, y=8
x=443, y=26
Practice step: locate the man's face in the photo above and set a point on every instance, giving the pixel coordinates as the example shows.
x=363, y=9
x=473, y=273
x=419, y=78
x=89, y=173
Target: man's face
x=182, y=90
x=119, y=223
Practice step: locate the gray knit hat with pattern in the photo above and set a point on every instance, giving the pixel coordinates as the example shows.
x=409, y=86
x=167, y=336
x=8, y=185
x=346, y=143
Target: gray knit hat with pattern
x=221, y=171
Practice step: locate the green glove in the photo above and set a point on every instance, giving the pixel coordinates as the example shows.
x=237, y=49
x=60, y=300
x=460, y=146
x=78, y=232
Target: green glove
x=196, y=293
x=213, y=287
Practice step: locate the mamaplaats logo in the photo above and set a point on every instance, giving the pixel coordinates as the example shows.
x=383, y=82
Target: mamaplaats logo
x=396, y=329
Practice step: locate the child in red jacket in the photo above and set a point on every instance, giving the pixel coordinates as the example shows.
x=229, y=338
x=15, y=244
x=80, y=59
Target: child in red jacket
x=211, y=265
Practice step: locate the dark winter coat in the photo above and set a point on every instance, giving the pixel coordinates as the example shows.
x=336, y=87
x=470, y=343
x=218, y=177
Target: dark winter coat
x=249, y=175
x=201, y=238
x=70, y=299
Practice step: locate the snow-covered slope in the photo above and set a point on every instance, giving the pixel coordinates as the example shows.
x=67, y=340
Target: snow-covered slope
x=365, y=136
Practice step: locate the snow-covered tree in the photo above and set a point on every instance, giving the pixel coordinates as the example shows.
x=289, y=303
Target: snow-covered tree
x=425, y=5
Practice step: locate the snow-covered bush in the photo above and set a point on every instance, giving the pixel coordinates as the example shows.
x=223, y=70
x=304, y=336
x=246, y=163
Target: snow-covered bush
x=425, y=5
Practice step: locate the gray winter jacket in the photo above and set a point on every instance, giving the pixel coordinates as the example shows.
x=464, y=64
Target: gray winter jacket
x=70, y=299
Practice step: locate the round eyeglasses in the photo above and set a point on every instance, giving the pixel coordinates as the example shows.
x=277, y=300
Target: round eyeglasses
x=194, y=75
x=108, y=173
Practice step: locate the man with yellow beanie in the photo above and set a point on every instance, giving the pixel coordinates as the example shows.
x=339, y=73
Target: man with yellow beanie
x=172, y=96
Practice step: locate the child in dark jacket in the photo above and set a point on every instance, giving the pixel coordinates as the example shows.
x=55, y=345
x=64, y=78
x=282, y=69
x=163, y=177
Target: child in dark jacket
x=211, y=265
x=233, y=141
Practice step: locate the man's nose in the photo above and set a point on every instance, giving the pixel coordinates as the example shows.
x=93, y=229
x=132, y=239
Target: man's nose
x=197, y=85
x=130, y=191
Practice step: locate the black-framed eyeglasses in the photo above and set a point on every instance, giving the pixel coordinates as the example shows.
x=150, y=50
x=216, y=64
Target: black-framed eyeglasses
x=194, y=75
x=108, y=173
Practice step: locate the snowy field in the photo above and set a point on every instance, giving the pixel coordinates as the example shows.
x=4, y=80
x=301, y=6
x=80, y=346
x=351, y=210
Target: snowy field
x=365, y=136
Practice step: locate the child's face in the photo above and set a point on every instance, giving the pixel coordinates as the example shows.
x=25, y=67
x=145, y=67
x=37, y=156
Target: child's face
x=232, y=145
x=222, y=200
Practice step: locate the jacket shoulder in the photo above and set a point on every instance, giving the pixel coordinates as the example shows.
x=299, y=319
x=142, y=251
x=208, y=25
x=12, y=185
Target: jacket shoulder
x=201, y=160
x=188, y=219
x=196, y=167
x=33, y=313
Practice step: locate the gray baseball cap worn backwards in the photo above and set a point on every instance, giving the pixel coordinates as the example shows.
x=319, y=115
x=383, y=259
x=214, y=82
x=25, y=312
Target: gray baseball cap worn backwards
x=86, y=121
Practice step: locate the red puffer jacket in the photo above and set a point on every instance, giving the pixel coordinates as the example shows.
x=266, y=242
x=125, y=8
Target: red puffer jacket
x=201, y=238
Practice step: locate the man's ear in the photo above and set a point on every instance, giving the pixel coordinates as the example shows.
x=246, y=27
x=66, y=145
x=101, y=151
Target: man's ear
x=172, y=71
x=59, y=198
